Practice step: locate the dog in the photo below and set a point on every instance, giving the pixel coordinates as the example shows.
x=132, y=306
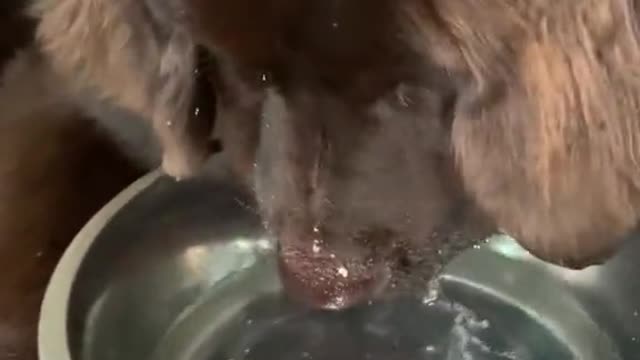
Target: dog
x=381, y=137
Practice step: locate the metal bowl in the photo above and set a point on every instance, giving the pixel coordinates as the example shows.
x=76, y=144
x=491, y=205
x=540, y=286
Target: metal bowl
x=183, y=270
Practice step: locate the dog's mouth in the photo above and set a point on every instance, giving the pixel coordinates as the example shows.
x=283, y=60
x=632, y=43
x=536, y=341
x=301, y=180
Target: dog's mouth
x=325, y=279
x=375, y=265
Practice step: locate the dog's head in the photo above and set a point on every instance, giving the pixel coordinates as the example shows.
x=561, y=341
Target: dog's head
x=343, y=132
x=362, y=125
x=376, y=118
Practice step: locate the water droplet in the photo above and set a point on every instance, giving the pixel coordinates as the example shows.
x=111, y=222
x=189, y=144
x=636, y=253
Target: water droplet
x=431, y=296
x=333, y=256
x=306, y=355
x=249, y=322
x=634, y=339
x=196, y=71
x=316, y=229
x=40, y=253
x=169, y=123
x=316, y=246
x=335, y=24
x=342, y=271
x=402, y=100
x=636, y=313
x=264, y=77
x=476, y=246
x=430, y=349
x=196, y=112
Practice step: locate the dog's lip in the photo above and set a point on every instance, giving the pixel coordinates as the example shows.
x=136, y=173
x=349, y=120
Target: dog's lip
x=324, y=280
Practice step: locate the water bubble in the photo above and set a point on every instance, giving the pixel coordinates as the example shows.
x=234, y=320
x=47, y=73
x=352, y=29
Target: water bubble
x=342, y=271
x=196, y=112
x=431, y=349
x=316, y=246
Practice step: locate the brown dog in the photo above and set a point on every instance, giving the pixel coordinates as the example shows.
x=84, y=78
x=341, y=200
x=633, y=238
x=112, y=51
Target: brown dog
x=376, y=133
x=57, y=168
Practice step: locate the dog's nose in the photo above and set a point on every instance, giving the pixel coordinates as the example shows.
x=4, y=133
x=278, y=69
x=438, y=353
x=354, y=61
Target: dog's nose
x=329, y=280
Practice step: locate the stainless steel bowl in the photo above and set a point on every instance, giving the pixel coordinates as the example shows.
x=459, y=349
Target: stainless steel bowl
x=184, y=271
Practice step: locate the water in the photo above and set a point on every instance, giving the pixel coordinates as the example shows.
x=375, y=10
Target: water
x=405, y=329
x=247, y=317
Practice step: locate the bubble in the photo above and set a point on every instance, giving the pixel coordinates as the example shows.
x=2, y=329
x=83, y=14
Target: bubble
x=342, y=271
x=316, y=246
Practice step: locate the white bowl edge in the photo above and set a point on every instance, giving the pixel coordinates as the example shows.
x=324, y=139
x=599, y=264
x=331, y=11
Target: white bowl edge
x=52, y=325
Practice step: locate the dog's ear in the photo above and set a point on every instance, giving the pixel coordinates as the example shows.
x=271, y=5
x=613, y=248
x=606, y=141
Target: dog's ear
x=546, y=133
x=129, y=55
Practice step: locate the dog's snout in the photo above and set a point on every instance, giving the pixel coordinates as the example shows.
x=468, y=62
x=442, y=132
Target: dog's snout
x=324, y=276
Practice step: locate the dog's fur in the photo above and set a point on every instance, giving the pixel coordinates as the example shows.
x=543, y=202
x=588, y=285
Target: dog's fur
x=57, y=168
x=546, y=133
x=373, y=130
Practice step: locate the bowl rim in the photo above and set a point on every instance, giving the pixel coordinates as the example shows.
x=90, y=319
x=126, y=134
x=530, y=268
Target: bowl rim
x=52, y=337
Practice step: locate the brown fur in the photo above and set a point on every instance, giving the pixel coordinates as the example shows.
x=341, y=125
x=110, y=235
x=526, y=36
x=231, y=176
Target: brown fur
x=119, y=50
x=57, y=169
x=547, y=138
x=366, y=126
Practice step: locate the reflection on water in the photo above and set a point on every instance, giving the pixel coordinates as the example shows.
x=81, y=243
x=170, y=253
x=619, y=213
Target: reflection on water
x=407, y=329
